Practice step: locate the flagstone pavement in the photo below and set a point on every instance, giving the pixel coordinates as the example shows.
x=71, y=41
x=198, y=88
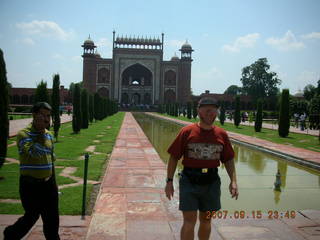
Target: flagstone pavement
x=132, y=205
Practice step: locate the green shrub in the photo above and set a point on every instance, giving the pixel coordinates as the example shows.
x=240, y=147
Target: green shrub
x=237, y=118
x=258, y=121
x=284, y=115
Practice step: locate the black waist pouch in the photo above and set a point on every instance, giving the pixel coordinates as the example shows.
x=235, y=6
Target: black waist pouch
x=201, y=176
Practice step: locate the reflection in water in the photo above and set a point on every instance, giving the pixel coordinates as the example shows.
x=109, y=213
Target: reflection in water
x=277, y=187
x=299, y=187
x=254, y=159
x=276, y=196
x=282, y=168
x=277, y=183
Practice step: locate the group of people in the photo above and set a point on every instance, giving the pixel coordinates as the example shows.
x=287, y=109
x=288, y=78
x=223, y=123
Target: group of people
x=202, y=146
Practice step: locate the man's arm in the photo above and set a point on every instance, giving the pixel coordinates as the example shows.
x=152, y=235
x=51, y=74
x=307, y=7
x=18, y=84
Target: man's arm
x=231, y=170
x=172, y=165
x=31, y=146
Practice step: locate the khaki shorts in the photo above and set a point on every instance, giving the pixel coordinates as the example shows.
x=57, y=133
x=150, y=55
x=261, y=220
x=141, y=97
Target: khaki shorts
x=195, y=197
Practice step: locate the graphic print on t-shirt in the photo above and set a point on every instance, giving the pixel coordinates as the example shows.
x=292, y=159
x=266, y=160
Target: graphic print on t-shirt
x=204, y=151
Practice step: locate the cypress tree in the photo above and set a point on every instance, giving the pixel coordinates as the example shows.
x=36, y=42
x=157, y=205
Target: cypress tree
x=194, y=110
x=76, y=117
x=258, y=120
x=4, y=106
x=189, y=110
x=284, y=115
x=173, y=109
x=176, y=110
x=91, y=108
x=56, y=105
x=170, y=109
x=109, y=107
x=237, y=118
x=84, y=109
x=104, y=108
x=222, y=116
x=184, y=112
x=96, y=102
x=41, y=94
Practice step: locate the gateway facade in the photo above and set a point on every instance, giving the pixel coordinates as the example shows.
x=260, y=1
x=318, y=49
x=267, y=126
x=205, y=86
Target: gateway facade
x=137, y=74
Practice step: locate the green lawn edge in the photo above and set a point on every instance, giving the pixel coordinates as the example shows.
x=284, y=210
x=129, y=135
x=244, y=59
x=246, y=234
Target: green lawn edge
x=69, y=150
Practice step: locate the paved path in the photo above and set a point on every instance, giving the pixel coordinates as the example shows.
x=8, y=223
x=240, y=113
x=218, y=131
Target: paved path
x=17, y=125
x=131, y=203
x=71, y=227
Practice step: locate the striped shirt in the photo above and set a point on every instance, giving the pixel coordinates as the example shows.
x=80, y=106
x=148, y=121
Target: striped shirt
x=35, y=152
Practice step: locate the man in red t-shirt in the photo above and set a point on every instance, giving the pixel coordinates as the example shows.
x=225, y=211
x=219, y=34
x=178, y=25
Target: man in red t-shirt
x=203, y=146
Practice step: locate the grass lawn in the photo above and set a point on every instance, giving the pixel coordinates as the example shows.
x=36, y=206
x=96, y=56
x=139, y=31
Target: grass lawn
x=294, y=139
x=69, y=150
x=17, y=116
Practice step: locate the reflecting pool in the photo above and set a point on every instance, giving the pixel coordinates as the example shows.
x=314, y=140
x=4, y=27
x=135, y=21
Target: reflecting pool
x=298, y=187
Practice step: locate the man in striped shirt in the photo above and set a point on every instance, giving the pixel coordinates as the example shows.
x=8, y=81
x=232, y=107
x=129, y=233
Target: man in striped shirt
x=38, y=188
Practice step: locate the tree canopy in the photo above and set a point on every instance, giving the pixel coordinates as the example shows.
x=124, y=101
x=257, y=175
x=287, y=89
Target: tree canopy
x=233, y=90
x=258, y=81
x=309, y=92
x=41, y=94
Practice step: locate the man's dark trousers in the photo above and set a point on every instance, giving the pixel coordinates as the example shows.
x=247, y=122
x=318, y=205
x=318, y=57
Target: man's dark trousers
x=38, y=198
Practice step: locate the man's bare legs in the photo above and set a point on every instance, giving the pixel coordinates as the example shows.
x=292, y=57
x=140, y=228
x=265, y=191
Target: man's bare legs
x=189, y=222
x=205, y=226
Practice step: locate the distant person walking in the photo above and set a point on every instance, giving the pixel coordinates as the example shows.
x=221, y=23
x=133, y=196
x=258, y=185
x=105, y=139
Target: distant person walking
x=296, y=119
x=38, y=188
x=203, y=147
x=303, y=121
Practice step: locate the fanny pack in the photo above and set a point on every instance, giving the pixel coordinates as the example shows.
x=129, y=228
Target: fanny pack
x=201, y=176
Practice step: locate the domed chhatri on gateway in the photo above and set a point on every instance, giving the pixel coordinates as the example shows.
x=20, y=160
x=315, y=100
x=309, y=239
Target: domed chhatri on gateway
x=137, y=74
x=175, y=57
x=186, y=46
x=88, y=42
x=97, y=54
x=88, y=46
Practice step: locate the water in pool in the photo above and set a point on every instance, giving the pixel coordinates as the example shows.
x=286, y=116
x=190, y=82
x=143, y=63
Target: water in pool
x=256, y=172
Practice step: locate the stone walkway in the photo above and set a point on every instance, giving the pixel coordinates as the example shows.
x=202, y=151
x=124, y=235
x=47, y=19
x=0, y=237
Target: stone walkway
x=17, y=125
x=132, y=205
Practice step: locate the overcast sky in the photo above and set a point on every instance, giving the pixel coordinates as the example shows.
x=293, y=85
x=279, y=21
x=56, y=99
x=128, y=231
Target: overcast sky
x=40, y=38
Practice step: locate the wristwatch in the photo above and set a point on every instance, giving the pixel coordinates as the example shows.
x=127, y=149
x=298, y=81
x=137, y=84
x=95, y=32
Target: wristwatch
x=169, y=180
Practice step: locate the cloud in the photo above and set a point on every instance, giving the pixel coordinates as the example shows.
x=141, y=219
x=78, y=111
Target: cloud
x=76, y=58
x=44, y=28
x=308, y=77
x=277, y=69
x=176, y=43
x=57, y=56
x=28, y=41
x=210, y=73
x=286, y=43
x=104, y=42
x=313, y=35
x=247, y=41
